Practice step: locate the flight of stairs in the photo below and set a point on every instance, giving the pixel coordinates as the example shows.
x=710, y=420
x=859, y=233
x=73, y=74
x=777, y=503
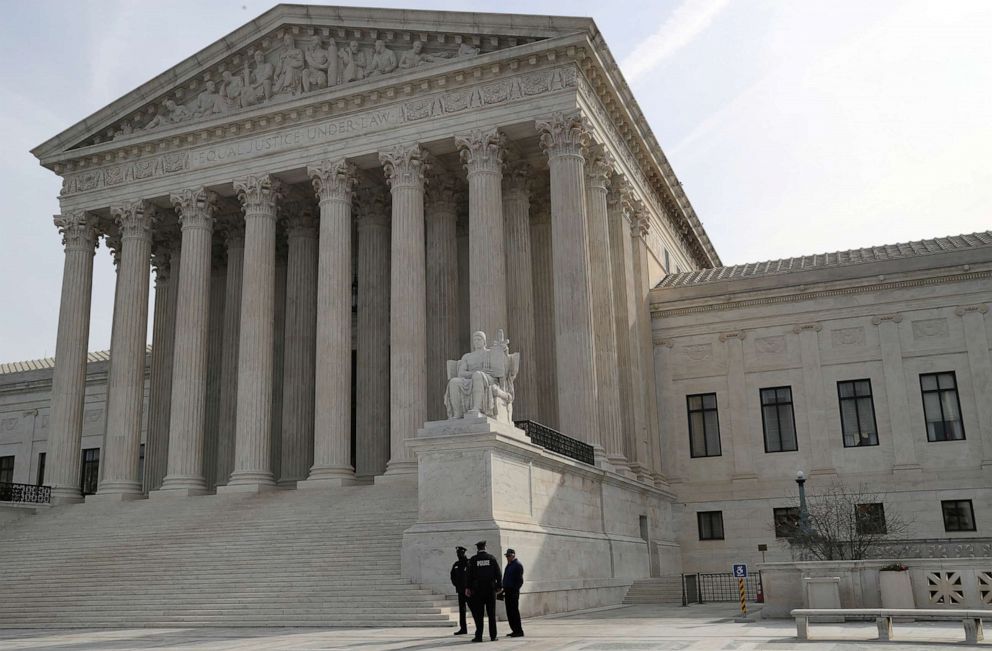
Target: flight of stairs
x=662, y=590
x=285, y=558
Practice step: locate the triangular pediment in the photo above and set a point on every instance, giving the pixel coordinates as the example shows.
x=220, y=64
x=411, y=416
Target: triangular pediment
x=297, y=51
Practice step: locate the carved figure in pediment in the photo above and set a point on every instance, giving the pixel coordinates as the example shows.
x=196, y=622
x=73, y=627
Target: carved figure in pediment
x=289, y=76
x=209, y=101
x=316, y=74
x=234, y=91
x=169, y=113
x=415, y=56
x=125, y=130
x=354, y=61
x=262, y=78
x=466, y=50
x=383, y=60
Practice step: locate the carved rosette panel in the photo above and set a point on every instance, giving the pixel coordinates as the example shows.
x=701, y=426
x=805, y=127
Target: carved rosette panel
x=404, y=165
x=195, y=208
x=333, y=180
x=599, y=167
x=564, y=134
x=482, y=150
x=258, y=194
x=135, y=219
x=78, y=231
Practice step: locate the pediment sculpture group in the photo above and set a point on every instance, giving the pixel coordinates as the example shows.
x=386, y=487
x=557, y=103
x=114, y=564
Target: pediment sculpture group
x=481, y=382
x=289, y=71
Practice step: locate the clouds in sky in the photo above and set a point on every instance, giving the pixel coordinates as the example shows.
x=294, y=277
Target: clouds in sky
x=685, y=23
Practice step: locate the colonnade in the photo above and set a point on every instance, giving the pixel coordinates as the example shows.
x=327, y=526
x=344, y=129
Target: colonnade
x=561, y=268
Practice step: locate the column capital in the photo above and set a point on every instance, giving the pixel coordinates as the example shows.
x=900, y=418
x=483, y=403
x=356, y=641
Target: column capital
x=599, y=167
x=135, y=219
x=564, y=134
x=806, y=327
x=113, y=241
x=371, y=207
x=161, y=260
x=883, y=318
x=482, y=150
x=233, y=232
x=517, y=178
x=980, y=308
x=195, y=207
x=443, y=193
x=258, y=194
x=404, y=165
x=300, y=219
x=78, y=230
x=333, y=180
x=640, y=220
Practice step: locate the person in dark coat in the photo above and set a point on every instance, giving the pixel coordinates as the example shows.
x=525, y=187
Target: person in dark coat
x=459, y=580
x=513, y=580
x=484, y=581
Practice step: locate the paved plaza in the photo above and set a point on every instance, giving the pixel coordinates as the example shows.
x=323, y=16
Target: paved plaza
x=628, y=628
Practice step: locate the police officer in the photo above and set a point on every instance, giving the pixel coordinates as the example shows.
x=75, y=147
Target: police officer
x=513, y=580
x=458, y=579
x=484, y=581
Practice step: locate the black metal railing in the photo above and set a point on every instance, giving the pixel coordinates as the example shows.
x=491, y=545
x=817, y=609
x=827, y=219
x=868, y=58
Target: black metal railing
x=722, y=587
x=550, y=439
x=25, y=493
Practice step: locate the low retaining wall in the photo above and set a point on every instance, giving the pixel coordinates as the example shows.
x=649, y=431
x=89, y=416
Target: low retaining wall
x=936, y=583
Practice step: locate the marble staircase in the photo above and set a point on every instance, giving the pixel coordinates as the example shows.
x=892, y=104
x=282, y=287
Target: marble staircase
x=661, y=590
x=284, y=558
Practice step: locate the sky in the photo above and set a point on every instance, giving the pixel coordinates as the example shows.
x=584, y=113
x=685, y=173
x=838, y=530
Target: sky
x=794, y=127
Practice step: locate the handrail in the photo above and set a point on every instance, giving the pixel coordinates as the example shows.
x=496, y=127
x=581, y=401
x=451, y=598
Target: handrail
x=555, y=441
x=25, y=493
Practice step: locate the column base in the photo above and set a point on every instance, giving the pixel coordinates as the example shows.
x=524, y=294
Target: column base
x=248, y=482
x=288, y=484
x=185, y=486
x=601, y=460
x=178, y=491
x=109, y=498
x=66, y=496
x=323, y=478
x=398, y=471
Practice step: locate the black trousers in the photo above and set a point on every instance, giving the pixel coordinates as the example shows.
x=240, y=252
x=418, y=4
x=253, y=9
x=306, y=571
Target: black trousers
x=484, y=604
x=512, y=601
x=462, y=604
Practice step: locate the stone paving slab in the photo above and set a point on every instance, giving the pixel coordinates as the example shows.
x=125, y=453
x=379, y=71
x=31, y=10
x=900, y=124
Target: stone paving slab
x=707, y=627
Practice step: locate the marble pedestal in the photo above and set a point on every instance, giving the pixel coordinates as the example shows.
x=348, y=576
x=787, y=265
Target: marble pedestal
x=575, y=527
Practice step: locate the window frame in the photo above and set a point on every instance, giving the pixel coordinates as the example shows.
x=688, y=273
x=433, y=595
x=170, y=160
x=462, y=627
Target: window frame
x=863, y=518
x=971, y=511
x=709, y=516
x=777, y=405
x=42, y=459
x=857, y=413
x=95, y=476
x=940, y=401
x=703, y=410
x=10, y=469
x=791, y=511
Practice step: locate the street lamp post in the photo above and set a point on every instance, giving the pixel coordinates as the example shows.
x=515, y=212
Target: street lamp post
x=803, y=512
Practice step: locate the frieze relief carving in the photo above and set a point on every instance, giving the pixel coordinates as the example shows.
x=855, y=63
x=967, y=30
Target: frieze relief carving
x=8, y=424
x=698, y=352
x=297, y=64
x=847, y=336
x=770, y=345
x=929, y=328
x=420, y=108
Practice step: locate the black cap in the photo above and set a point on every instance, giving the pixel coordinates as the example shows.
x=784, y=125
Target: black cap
x=459, y=549
x=510, y=551
x=481, y=544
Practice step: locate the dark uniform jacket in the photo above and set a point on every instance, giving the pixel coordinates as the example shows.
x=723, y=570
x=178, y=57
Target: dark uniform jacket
x=513, y=577
x=484, y=575
x=458, y=577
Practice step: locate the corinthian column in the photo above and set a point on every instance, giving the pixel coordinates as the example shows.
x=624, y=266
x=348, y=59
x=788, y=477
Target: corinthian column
x=625, y=313
x=65, y=432
x=607, y=383
x=126, y=382
x=372, y=368
x=545, y=370
x=563, y=138
x=160, y=380
x=404, y=167
x=442, y=289
x=234, y=240
x=520, y=286
x=482, y=153
x=300, y=346
x=187, y=418
x=333, y=181
x=252, y=463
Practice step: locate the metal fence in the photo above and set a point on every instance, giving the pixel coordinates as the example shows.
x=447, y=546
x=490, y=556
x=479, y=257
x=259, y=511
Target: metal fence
x=703, y=588
x=26, y=493
x=550, y=439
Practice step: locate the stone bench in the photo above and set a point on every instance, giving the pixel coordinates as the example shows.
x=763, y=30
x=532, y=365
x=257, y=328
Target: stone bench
x=972, y=619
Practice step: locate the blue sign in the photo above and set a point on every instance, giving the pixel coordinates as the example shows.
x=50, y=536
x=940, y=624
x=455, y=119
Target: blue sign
x=740, y=571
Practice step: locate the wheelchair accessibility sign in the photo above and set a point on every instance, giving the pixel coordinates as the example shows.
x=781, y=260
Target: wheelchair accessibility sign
x=740, y=571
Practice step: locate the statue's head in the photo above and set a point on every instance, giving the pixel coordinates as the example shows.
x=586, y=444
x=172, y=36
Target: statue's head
x=379, y=46
x=478, y=340
x=353, y=46
x=210, y=86
x=259, y=57
x=418, y=46
x=287, y=40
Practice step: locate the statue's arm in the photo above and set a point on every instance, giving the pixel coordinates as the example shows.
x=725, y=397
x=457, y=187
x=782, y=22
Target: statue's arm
x=463, y=371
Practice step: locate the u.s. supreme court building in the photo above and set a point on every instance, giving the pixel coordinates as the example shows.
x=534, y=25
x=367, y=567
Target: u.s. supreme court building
x=328, y=202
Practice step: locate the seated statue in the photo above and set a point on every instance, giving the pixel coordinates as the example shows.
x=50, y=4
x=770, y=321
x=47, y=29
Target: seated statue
x=481, y=382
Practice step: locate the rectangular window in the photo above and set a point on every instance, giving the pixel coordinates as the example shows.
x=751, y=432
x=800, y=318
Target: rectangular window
x=941, y=406
x=6, y=470
x=704, y=425
x=786, y=521
x=870, y=518
x=710, y=525
x=41, y=468
x=778, y=420
x=857, y=413
x=959, y=515
x=91, y=471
